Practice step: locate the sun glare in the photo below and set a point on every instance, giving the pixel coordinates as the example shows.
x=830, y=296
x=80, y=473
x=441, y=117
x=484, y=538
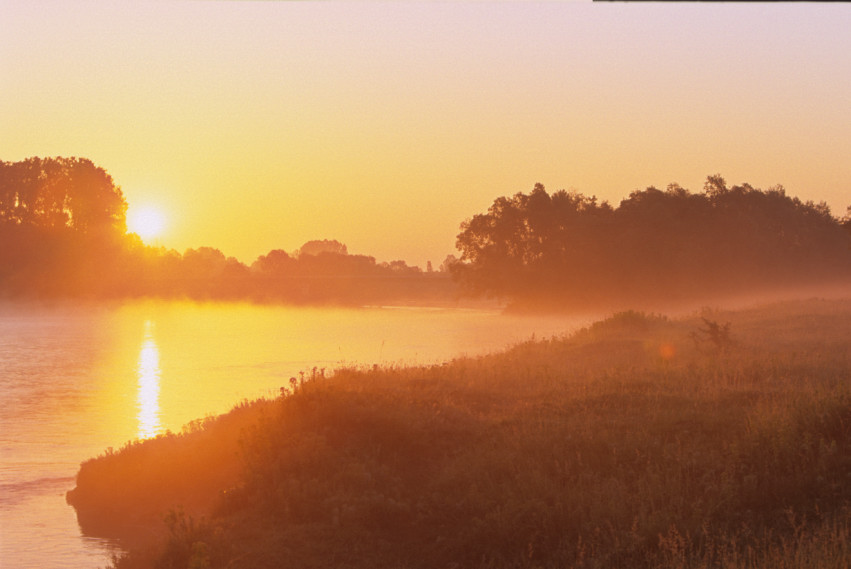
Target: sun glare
x=149, y=385
x=147, y=222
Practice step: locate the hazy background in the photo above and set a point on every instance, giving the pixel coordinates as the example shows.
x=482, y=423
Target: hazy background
x=383, y=125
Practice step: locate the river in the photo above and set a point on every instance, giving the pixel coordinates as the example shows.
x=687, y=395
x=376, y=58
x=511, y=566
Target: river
x=76, y=379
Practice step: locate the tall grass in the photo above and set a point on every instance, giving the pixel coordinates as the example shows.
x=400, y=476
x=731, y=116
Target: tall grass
x=627, y=444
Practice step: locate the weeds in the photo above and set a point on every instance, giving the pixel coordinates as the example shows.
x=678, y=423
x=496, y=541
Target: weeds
x=590, y=452
x=717, y=335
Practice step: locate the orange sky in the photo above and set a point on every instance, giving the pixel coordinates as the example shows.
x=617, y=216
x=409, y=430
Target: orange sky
x=263, y=125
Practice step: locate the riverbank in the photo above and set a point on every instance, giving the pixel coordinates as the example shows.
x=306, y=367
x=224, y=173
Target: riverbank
x=636, y=442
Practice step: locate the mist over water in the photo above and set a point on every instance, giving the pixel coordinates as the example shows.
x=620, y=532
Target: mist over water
x=77, y=379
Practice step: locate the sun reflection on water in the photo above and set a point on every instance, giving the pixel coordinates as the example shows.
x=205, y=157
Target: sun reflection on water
x=149, y=385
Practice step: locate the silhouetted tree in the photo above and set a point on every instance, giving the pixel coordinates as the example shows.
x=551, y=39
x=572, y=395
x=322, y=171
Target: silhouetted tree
x=530, y=243
x=447, y=263
x=324, y=246
x=275, y=263
x=60, y=192
x=714, y=186
x=670, y=244
x=62, y=226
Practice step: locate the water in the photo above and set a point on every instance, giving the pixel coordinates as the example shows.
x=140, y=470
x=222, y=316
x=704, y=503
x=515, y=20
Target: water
x=77, y=379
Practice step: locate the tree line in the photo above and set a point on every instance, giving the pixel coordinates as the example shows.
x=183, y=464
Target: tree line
x=63, y=233
x=569, y=249
x=312, y=274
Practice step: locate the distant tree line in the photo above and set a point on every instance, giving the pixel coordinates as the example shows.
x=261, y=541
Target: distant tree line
x=302, y=277
x=568, y=249
x=63, y=233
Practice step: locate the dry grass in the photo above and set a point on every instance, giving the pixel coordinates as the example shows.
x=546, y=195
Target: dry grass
x=629, y=444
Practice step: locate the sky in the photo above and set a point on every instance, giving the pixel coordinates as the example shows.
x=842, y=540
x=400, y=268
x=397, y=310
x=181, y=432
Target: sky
x=255, y=126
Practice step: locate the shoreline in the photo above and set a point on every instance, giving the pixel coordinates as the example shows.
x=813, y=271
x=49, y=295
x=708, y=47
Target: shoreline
x=628, y=353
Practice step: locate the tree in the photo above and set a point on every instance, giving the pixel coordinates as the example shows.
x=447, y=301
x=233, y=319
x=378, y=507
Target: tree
x=448, y=263
x=58, y=193
x=62, y=228
x=529, y=243
x=715, y=186
x=324, y=246
x=538, y=248
x=95, y=203
x=276, y=262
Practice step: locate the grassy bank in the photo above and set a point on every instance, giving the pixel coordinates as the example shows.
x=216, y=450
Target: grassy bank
x=636, y=442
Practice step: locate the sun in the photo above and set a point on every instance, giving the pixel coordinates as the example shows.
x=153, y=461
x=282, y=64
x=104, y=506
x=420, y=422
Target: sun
x=146, y=222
